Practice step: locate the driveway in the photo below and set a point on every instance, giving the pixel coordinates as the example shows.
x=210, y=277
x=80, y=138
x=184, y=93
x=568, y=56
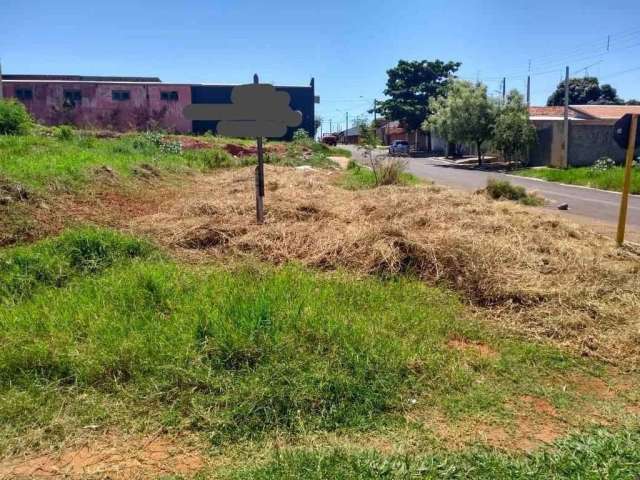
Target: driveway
x=595, y=206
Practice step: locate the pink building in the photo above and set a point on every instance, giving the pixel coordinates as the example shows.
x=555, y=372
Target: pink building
x=118, y=103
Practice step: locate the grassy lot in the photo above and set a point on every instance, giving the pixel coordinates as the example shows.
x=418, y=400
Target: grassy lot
x=98, y=328
x=279, y=371
x=606, y=180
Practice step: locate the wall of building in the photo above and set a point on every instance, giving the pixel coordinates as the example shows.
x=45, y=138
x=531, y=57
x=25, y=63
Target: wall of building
x=97, y=108
x=591, y=140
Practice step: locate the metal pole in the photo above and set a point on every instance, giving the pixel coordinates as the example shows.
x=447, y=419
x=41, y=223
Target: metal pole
x=374, y=113
x=259, y=176
x=1, y=93
x=504, y=89
x=566, y=119
x=528, y=90
x=624, y=202
x=330, y=127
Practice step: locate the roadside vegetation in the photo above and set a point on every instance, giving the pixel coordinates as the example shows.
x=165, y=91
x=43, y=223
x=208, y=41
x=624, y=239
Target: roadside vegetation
x=505, y=190
x=610, y=178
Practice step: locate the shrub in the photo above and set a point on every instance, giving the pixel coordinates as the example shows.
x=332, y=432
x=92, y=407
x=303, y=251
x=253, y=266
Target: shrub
x=504, y=190
x=14, y=118
x=63, y=132
x=603, y=164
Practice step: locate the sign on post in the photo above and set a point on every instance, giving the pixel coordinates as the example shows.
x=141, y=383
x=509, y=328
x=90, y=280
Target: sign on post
x=256, y=110
x=626, y=135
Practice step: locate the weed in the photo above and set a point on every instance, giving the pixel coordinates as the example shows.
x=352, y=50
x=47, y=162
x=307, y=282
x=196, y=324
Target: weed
x=609, y=178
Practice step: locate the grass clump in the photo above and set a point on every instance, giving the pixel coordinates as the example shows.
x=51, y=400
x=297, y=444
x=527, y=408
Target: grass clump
x=505, y=190
x=602, y=178
x=358, y=177
x=14, y=118
x=54, y=262
x=596, y=454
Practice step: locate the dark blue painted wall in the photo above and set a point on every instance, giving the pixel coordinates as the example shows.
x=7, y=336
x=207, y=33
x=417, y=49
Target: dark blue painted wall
x=302, y=99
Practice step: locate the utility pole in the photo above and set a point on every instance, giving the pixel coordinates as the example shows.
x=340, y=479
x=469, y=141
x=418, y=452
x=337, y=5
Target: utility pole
x=374, y=113
x=330, y=127
x=504, y=90
x=1, y=94
x=566, y=119
x=528, y=90
x=346, y=129
x=608, y=42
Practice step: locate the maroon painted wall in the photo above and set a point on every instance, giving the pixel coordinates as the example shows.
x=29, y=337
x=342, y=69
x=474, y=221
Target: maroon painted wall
x=97, y=109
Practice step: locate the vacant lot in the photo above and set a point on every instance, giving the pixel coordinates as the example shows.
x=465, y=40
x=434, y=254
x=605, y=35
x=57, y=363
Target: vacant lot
x=149, y=327
x=611, y=179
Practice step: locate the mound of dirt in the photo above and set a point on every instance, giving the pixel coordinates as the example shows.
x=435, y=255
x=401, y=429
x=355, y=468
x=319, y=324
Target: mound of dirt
x=520, y=267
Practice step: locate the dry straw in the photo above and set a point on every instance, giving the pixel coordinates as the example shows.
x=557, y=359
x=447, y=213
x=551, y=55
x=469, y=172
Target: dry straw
x=519, y=267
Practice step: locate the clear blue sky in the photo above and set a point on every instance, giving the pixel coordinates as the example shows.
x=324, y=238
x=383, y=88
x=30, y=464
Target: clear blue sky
x=347, y=45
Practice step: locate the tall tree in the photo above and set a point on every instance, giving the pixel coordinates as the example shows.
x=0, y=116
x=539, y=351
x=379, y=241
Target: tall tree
x=410, y=87
x=514, y=134
x=584, y=91
x=465, y=114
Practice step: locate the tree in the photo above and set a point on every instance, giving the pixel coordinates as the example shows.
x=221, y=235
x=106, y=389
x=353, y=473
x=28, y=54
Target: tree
x=410, y=87
x=584, y=91
x=513, y=133
x=465, y=114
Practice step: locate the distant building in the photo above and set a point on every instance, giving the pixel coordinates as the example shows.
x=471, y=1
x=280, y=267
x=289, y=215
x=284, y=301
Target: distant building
x=590, y=134
x=131, y=103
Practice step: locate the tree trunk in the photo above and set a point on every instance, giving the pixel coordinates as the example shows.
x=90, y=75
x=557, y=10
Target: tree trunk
x=479, y=153
x=429, y=141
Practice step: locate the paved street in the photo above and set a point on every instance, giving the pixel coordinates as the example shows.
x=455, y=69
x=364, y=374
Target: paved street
x=585, y=203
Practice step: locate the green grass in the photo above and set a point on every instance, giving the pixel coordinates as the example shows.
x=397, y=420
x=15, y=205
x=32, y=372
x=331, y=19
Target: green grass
x=606, y=180
x=357, y=177
x=97, y=329
x=595, y=455
x=40, y=161
x=64, y=162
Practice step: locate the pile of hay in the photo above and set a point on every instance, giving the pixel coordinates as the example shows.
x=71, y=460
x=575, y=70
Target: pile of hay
x=518, y=266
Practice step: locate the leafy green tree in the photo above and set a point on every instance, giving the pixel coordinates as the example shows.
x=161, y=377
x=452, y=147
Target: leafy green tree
x=14, y=118
x=465, y=115
x=513, y=133
x=410, y=87
x=584, y=91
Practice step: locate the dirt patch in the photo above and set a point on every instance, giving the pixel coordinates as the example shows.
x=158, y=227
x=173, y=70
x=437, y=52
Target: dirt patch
x=481, y=349
x=592, y=386
x=523, y=268
x=539, y=405
x=111, y=457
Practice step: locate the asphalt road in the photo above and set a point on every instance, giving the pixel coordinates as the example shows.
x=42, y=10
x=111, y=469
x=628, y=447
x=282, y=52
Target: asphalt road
x=590, y=204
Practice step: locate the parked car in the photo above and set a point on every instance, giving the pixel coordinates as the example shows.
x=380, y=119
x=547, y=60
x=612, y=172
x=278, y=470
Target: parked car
x=399, y=147
x=331, y=140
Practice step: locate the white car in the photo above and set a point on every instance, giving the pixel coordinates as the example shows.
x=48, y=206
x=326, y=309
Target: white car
x=399, y=147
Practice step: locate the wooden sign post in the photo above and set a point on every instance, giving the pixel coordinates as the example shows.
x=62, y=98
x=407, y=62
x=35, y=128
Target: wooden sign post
x=628, y=169
x=259, y=175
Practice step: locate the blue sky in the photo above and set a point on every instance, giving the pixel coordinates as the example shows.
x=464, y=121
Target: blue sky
x=346, y=45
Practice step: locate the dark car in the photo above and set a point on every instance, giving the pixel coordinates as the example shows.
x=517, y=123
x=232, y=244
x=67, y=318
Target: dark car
x=331, y=140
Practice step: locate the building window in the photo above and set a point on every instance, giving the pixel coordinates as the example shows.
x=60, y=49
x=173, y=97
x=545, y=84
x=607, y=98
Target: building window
x=72, y=97
x=169, y=96
x=120, y=95
x=24, y=94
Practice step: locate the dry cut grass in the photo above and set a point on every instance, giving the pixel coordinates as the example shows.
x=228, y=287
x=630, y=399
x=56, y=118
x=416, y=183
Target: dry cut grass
x=522, y=268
